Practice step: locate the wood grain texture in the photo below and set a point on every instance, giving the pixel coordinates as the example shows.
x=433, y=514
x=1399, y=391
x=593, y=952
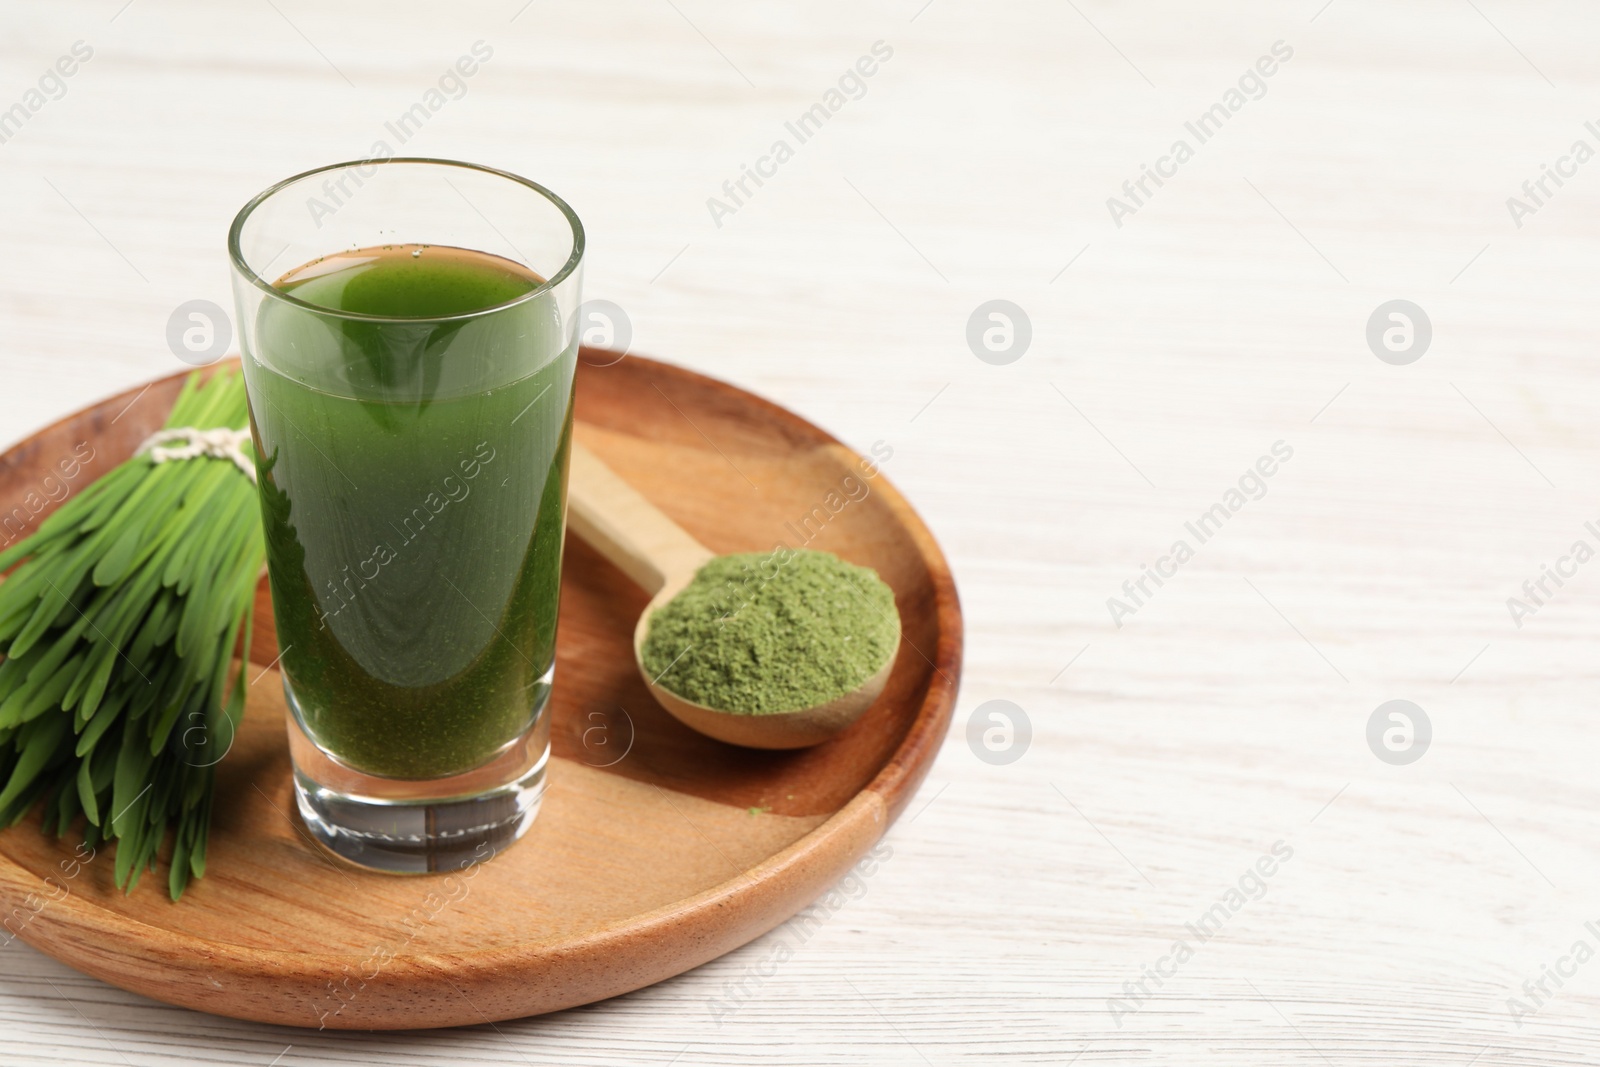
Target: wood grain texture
x=1167, y=355
x=656, y=849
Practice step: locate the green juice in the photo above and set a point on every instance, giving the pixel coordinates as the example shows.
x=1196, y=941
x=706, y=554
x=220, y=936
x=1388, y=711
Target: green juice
x=412, y=468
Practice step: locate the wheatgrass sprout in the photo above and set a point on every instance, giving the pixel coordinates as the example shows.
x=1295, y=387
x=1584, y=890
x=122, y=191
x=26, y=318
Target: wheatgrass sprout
x=118, y=626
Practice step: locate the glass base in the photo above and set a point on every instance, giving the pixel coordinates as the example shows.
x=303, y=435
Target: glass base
x=405, y=826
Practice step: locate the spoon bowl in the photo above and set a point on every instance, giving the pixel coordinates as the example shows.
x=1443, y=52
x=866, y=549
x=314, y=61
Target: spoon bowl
x=773, y=730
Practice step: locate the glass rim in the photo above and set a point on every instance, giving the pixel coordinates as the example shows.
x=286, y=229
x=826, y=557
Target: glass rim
x=236, y=255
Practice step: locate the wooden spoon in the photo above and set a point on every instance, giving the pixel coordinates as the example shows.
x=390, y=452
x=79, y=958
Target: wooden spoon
x=662, y=558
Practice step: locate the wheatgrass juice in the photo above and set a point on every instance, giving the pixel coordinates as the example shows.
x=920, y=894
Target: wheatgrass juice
x=412, y=459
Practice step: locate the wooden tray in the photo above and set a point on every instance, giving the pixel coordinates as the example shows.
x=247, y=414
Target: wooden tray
x=656, y=850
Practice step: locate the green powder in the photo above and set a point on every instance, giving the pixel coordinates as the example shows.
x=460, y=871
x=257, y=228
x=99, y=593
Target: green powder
x=762, y=633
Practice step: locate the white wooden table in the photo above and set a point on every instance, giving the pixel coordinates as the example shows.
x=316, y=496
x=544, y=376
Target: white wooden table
x=1227, y=312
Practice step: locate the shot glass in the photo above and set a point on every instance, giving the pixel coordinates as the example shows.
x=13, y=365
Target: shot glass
x=408, y=334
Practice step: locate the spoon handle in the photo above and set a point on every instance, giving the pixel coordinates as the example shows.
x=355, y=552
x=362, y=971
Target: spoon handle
x=626, y=528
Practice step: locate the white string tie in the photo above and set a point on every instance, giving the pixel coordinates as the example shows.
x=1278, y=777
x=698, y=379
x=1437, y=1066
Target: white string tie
x=187, y=442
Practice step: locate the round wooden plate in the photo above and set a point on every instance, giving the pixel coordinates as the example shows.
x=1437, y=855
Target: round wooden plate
x=656, y=850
